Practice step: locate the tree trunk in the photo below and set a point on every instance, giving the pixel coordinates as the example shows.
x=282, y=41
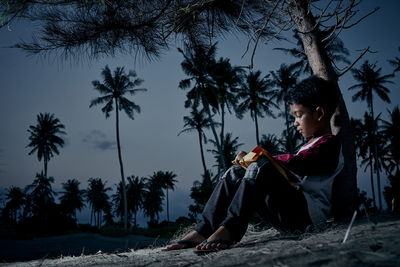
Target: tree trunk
x=345, y=185
x=122, y=169
x=45, y=166
x=167, y=207
x=256, y=121
x=202, y=153
x=207, y=109
x=222, y=123
x=378, y=176
x=288, y=137
x=372, y=178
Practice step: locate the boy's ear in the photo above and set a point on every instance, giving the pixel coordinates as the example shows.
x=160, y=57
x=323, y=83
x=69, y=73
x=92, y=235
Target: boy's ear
x=320, y=111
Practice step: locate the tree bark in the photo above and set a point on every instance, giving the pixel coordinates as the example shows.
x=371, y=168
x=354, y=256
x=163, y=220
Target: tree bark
x=202, y=153
x=372, y=178
x=378, y=176
x=256, y=122
x=122, y=169
x=345, y=185
x=288, y=137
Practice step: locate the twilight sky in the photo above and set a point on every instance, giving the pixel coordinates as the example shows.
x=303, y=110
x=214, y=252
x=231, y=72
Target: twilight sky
x=30, y=85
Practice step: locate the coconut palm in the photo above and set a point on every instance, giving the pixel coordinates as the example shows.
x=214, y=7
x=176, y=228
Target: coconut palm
x=98, y=199
x=226, y=79
x=136, y=192
x=72, y=198
x=257, y=97
x=167, y=182
x=197, y=122
x=15, y=199
x=153, y=198
x=284, y=79
x=271, y=143
x=44, y=137
x=197, y=64
x=113, y=91
x=201, y=192
x=391, y=130
x=395, y=63
x=371, y=81
x=40, y=196
x=229, y=149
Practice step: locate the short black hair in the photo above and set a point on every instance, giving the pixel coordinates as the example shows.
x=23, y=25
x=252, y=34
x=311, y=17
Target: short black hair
x=313, y=92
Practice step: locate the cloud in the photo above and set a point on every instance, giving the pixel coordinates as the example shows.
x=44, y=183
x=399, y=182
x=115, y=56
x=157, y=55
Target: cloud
x=98, y=140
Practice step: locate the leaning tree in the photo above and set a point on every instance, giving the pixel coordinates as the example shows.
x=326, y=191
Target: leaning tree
x=101, y=28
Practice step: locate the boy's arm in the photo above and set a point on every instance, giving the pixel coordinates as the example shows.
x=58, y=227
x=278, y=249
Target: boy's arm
x=320, y=158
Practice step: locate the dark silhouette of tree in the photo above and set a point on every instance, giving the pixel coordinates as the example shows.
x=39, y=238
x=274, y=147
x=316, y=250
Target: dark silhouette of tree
x=334, y=48
x=197, y=64
x=197, y=122
x=371, y=81
x=229, y=151
x=201, y=192
x=136, y=195
x=113, y=90
x=167, y=181
x=41, y=197
x=284, y=79
x=391, y=130
x=256, y=97
x=271, y=143
x=395, y=62
x=44, y=138
x=15, y=200
x=72, y=198
x=392, y=193
x=118, y=201
x=98, y=199
x=153, y=198
x=227, y=79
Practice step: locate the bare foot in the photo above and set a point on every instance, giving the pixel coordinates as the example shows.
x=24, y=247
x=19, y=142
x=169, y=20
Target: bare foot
x=221, y=234
x=190, y=240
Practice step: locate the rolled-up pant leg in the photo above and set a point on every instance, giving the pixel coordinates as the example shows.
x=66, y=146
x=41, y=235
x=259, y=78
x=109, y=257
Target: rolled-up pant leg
x=215, y=210
x=287, y=206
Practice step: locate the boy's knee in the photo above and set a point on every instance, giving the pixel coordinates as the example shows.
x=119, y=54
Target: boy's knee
x=233, y=174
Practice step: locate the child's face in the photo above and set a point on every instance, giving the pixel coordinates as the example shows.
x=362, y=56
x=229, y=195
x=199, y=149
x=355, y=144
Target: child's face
x=306, y=122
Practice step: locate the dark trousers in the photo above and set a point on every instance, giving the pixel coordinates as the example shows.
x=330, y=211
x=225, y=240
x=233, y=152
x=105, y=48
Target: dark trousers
x=240, y=193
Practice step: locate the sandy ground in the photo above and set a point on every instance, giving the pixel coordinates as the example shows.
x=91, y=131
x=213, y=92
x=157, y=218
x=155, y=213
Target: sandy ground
x=369, y=244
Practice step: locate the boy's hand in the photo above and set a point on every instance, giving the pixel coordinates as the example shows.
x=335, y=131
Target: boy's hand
x=239, y=156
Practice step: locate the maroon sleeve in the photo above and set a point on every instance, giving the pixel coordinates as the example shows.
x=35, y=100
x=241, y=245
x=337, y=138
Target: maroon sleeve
x=321, y=158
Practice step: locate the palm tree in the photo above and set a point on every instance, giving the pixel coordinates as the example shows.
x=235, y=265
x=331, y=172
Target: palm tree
x=113, y=90
x=153, y=198
x=165, y=180
x=72, y=198
x=271, y=143
x=44, y=138
x=226, y=79
x=395, y=63
x=201, y=192
x=391, y=130
x=98, y=199
x=41, y=196
x=229, y=149
x=197, y=64
x=168, y=182
x=136, y=193
x=284, y=79
x=256, y=96
x=371, y=81
x=197, y=122
x=15, y=200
